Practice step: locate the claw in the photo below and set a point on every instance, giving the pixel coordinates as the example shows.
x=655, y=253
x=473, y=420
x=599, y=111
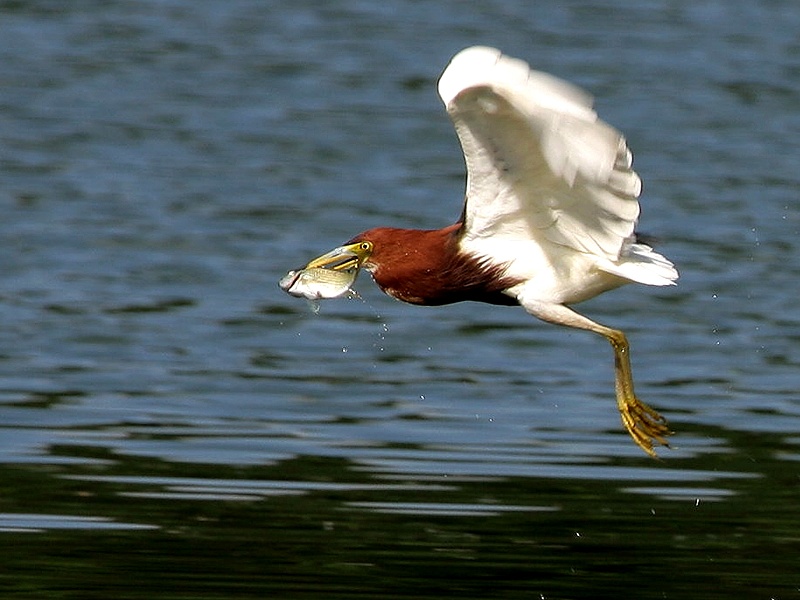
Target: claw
x=643, y=423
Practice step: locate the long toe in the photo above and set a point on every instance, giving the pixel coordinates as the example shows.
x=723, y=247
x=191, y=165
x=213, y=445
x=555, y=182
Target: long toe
x=644, y=424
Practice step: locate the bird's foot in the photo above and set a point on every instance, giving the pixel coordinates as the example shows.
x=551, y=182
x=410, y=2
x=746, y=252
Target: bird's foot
x=643, y=423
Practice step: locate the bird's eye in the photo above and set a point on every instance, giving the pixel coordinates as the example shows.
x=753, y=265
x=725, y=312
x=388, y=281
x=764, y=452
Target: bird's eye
x=365, y=245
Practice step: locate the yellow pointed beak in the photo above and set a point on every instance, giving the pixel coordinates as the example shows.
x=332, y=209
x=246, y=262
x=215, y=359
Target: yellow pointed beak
x=343, y=257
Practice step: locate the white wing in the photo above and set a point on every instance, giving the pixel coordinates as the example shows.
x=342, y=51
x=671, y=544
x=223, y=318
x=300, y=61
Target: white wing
x=541, y=166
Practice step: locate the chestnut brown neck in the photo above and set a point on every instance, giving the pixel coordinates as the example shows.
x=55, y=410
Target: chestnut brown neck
x=426, y=267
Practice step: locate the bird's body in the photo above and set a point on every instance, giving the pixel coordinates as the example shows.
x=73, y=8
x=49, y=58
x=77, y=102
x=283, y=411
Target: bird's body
x=549, y=215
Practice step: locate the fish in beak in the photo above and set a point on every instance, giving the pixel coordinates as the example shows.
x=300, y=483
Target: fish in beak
x=328, y=276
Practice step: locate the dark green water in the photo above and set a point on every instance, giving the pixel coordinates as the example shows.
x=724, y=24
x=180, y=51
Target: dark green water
x=174, y=426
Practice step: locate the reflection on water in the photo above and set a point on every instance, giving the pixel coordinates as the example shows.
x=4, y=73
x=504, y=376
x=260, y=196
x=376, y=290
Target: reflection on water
x=320, y=523
x=30, y=523
x=173, y=425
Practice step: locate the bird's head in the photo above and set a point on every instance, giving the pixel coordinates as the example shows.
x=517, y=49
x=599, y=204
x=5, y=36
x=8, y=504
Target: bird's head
x=409, y=264
x=385, y=249
x=379, y=249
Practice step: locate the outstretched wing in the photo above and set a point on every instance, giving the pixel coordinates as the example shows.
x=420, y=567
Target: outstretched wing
x=541, y=166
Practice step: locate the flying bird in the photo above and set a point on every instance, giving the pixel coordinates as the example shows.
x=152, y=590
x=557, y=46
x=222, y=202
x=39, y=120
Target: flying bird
x=548, y=220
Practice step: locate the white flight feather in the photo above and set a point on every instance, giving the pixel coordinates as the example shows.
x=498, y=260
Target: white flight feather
x=550, y=187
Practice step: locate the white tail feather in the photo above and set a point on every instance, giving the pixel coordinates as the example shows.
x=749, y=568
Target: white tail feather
x=642, y=264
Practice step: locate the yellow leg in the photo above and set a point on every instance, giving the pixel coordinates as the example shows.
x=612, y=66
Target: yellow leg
x=643, y=423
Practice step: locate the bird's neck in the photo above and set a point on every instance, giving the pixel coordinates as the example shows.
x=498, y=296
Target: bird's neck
x=427, y=267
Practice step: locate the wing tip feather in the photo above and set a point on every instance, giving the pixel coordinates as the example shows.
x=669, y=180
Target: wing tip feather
x=484, y=65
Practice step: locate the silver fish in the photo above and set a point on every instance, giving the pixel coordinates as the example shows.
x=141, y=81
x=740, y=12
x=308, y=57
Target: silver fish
x=317, y=283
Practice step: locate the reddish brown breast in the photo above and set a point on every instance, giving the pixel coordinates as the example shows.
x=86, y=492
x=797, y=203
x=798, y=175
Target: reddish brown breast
x=426, y=267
